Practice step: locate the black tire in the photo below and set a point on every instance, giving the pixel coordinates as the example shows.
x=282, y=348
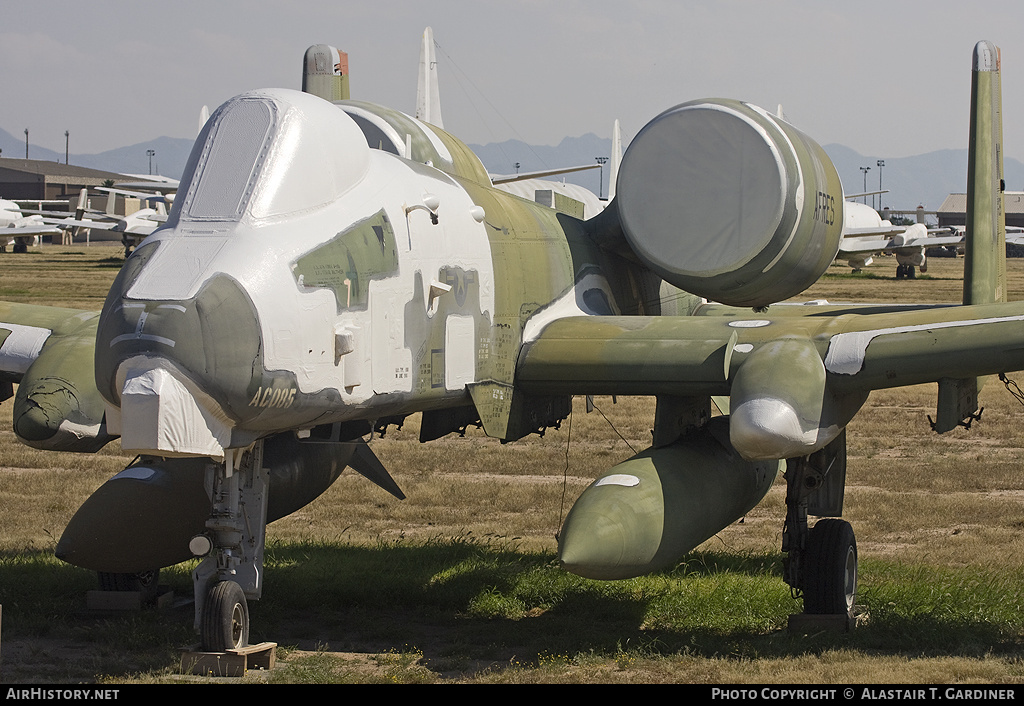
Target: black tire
x=830, y=569
x=225, y=623
x=144, y=582
x=911, y=274
x=900, y=271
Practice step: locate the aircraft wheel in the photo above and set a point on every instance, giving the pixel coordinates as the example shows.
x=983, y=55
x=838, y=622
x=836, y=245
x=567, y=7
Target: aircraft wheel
x=900, y=271
x=225, y=623
x=20, y=246
x=830, y=578
x=145, y=582
x=910, y=272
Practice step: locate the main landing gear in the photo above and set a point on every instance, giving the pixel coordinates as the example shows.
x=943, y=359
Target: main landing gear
x=821, y=562
x=905, y=271
x=232, y=545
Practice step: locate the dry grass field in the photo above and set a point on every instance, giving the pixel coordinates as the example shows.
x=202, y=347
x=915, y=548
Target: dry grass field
x=458, y=584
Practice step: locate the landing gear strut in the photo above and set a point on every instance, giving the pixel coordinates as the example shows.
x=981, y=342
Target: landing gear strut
x=821, y=562
x=906, y=271
x=233, y=546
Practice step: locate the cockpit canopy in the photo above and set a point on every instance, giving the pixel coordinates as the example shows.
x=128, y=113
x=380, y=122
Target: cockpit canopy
x=268, y=154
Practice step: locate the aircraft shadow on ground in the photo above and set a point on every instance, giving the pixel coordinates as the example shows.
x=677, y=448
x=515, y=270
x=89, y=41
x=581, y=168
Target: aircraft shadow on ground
x=462, y=602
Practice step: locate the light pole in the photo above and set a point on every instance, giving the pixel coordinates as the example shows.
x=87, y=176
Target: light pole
x=150, y=154
x=26, y=143
x=600, y=185
x=880, y=164
x=67, y=136
x=865, y=170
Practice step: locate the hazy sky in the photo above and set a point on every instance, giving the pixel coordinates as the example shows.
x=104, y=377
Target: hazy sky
x=886, y=78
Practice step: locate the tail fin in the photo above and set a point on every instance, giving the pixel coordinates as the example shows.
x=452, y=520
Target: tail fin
x=985, y=261
x=204, y=115
x=83, y=204
x=616, y=159
x=111, y=207
x=985, y=256
x=428, y=98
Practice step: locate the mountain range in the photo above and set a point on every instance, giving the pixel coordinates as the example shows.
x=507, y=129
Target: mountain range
x=924, y=179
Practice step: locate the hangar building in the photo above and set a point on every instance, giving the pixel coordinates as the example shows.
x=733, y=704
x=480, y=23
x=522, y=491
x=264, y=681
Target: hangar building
x=953, y=211
x=34, y=179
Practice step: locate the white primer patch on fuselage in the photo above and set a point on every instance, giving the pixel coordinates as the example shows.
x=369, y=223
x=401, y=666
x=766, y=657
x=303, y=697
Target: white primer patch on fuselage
x=293, y=316
x=460, y=352
x=569, y=304
x=178, y=268
x=435, y=142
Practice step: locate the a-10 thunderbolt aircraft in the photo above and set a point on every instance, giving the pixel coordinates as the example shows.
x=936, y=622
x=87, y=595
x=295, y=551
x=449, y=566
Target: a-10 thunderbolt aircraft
x=329, y=268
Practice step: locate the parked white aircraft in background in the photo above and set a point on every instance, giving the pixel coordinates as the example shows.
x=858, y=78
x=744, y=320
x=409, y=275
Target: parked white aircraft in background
x=134, y=227
x=20, y=230
x=865, y=234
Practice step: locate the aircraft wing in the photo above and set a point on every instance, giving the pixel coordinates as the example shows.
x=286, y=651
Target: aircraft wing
x=80, y=223
x=141, y=195
x=865, y=246
x=882, y=232
x=779, y=410
x=509, y=178
x=17, y=231
x=862, y=246
x=861, y=242
x=1012, y=232
x=136, y=224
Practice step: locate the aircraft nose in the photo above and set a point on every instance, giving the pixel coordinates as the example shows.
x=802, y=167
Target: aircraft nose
x=167, y=362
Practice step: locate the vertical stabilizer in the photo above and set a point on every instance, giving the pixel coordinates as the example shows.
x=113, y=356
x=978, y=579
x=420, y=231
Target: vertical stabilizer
x=428, y=98
x=204, y=115
x=616, y=159
x=985, y=249
x=83, y=204
x=985, y=261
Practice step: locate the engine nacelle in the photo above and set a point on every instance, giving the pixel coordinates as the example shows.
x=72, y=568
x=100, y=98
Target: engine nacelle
x=729, y=202
x=57, y=406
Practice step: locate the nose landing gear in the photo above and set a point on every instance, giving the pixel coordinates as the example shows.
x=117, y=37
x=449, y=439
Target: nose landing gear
x=233, y=545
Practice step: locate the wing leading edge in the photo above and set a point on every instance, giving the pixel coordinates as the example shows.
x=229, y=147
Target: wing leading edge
x=794, y=381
